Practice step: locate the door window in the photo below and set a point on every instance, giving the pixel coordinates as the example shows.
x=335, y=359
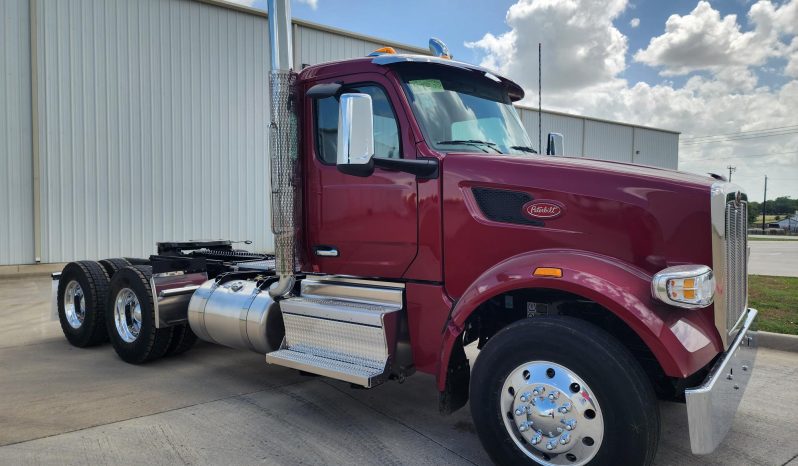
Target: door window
x=386, y=129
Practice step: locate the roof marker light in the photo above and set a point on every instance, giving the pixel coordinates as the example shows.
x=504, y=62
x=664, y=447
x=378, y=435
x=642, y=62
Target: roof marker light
x=383, y=51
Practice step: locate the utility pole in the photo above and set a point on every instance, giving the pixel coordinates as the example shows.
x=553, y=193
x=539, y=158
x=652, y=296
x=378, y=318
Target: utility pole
x=731, y=170
x=764, y=204
x=540, y=99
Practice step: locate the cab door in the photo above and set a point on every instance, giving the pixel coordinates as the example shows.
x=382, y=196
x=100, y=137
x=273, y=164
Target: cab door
x=362, y=226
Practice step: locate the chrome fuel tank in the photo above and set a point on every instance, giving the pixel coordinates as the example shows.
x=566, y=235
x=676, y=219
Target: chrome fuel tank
x=238, y=314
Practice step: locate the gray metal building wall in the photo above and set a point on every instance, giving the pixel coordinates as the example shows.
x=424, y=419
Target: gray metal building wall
x=146, y=120
x=605, y=140
x=152, y=118
x=16, y=165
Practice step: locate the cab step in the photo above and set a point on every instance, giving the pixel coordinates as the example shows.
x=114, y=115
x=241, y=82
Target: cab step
x=342, y=330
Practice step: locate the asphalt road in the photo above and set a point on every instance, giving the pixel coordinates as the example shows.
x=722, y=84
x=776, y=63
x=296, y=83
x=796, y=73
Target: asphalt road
x=212, y=405
x=778, y=258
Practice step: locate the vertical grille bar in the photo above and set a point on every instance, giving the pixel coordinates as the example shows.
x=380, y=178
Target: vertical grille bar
x=736, y=262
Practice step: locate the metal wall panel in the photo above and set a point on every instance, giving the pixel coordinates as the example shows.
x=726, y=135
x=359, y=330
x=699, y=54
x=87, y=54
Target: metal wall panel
x=16, y=160
x=569, y=127
x=608, y=141
x=656, y=148
x=152, y=119
x=318, y=46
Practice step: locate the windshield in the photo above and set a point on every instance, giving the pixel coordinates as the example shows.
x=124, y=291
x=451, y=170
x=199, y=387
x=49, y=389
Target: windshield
x=463, y=110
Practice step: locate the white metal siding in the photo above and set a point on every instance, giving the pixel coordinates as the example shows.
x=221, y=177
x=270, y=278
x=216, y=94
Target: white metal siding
x=16, y=162
x=656, y=148
x=316, y=46
x=152, y=122
x=607, y=141
x=569, y=127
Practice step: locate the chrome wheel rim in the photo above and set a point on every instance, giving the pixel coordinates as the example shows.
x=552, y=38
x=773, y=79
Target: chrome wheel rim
x=127, y=315
x=551, y=414
x=74, y=304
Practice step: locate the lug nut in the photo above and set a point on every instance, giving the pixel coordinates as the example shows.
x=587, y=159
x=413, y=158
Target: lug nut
x=536, y=439
x=523, y=427
x=525, y=397
x=519, y=411
x=554, y=395
x=565, y=408
x=565, y=439
x=551, y=445
x=538, y=390
x=569, y=424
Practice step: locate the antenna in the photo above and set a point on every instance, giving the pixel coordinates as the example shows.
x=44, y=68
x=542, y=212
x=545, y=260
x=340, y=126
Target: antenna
x=731, y=170
x=540, y=104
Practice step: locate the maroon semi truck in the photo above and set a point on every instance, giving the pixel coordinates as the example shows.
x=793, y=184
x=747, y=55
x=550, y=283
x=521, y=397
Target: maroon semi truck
x=412, y=219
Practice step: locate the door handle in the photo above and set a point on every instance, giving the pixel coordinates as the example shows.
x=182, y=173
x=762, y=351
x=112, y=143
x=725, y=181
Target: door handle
x=326, y=251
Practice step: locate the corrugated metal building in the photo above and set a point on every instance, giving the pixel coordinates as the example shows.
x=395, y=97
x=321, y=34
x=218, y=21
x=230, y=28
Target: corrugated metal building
x=125, y=123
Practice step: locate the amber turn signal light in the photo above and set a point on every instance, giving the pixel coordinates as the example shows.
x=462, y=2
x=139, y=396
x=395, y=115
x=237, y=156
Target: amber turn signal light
x=551, y=272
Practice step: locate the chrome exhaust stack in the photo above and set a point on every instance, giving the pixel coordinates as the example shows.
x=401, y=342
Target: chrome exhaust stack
x=284, y=147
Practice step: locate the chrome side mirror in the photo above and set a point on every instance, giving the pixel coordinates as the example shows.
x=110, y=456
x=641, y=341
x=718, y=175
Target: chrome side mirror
x=355, y=135
x=556, y=144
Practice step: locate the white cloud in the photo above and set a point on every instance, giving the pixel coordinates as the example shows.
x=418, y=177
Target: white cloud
x=311, y=3
x=584, y=28
x=583, y=73
x=634, y=22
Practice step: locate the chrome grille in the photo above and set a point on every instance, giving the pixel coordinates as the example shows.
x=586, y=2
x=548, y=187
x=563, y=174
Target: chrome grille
x=736, y=262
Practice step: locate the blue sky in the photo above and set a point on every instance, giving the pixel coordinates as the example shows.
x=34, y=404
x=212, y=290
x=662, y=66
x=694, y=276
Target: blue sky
x=458, y=22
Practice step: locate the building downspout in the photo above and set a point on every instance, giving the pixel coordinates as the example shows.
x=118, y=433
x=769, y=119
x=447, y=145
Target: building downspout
x=283, y=147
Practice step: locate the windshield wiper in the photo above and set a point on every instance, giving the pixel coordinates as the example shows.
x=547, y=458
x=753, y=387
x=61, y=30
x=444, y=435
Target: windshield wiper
x=472, y=142
x=524, y=149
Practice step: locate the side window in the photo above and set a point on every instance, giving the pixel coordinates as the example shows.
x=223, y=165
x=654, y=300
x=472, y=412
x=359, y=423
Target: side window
x=386, y=129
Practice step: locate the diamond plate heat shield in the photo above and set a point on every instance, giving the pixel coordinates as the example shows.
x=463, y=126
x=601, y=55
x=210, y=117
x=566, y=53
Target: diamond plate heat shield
x=285, y=176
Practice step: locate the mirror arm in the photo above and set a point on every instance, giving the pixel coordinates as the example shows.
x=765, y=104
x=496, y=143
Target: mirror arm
x=425, y=169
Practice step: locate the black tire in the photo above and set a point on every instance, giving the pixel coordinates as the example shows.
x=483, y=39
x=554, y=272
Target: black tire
x=182, y=340
x=93, y=282
x=111, y=266
x=150, y=342
x=629, y=408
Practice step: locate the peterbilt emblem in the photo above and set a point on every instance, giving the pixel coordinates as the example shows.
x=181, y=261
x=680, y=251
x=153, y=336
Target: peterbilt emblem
x=543, y=209
x=737, y=198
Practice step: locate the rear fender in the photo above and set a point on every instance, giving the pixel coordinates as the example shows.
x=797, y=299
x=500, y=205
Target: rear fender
x=682, y=341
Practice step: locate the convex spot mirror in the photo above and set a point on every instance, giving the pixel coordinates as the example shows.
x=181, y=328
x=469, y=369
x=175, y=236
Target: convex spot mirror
x=355, y=135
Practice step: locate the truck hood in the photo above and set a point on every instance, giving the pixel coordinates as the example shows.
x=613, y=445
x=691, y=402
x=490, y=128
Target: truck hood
x=649, y=217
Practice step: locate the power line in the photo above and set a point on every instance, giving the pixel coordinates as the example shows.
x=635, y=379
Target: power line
x=732, y=157
x=741, y=137
x=742, y=132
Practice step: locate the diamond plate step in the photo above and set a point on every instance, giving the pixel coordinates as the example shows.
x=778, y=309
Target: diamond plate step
x=340, y=332
x=334, y=369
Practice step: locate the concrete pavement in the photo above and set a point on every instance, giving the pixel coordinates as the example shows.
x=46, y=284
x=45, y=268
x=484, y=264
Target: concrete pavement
x=212, y=405
x=779, y=258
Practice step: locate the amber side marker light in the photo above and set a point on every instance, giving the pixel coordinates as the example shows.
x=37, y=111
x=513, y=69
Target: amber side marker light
x=551, y=272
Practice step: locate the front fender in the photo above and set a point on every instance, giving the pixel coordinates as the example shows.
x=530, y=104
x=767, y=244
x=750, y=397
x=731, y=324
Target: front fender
x=683, y=341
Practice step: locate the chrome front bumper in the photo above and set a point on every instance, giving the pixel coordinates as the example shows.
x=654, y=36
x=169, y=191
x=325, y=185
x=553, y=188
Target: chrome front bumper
x=712, y=405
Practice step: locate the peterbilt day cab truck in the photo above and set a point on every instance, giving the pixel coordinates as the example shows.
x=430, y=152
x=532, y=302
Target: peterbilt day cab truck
x=412, y=218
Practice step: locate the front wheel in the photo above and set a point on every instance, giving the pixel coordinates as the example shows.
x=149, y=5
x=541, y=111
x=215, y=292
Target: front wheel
x=560, y=391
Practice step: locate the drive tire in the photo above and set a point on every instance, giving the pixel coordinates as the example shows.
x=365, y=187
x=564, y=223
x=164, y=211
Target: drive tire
x=148, y=342
x=182, y=340
x=628, y=411
x=111, y=266
x=89, y=297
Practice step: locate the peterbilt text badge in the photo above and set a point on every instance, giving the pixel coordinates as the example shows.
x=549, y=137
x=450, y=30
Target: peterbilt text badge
x=543, y=209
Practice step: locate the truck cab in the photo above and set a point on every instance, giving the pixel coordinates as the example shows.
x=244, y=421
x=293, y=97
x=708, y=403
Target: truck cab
x=417, y=229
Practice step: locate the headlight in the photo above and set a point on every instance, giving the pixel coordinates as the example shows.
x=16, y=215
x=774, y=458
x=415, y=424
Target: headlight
x=688, y=286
